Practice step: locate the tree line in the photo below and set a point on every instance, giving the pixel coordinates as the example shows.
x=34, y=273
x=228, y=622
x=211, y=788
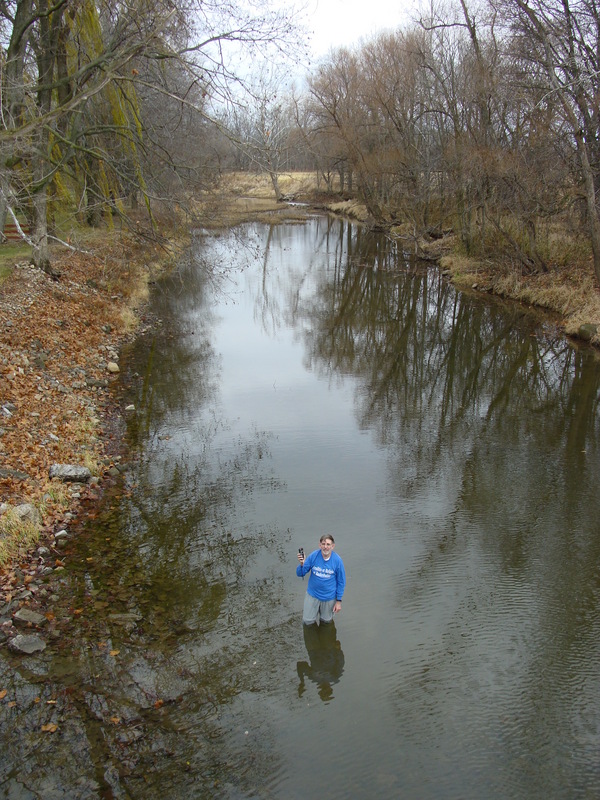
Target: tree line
x=478, y=117
x=107, y=104
x=484, y=119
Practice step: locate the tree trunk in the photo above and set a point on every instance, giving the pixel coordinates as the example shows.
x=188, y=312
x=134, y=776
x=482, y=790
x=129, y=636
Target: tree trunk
x=275, y=181
x=49, y=30
x=592, y=210
x=40, y=255
x=573, y=103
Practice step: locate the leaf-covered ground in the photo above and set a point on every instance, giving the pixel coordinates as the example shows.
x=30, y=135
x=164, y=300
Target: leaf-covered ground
x=57, y=399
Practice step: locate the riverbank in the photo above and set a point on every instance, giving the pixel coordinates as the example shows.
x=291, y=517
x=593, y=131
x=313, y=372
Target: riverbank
x=568, y=291
x=59, y=400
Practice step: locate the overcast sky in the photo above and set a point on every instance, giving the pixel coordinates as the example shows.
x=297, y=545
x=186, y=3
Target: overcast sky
x=344, y=22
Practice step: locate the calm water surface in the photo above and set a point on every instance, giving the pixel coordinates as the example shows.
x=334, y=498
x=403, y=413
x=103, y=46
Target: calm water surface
x=306, y=379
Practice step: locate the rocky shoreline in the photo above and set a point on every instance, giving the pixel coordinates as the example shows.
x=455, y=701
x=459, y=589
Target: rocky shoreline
x=61, y=421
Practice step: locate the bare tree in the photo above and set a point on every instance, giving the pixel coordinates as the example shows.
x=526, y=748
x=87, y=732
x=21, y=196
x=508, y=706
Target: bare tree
x=80, y=88
x=565, y=41
x=261, y=124
x=339, y=111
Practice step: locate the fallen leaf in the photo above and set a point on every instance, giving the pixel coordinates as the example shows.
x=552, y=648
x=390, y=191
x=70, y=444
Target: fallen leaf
x=3, y=694
x=78, y=611
x=114, y=652
x=159, y=703
x=50, y=727
x=12, y=704
x=115, y=720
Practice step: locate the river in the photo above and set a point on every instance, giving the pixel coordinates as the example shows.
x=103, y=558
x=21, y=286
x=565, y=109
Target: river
x=306, y=379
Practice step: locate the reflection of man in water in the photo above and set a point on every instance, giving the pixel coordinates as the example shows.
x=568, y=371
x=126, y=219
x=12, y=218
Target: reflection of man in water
x=326, y=659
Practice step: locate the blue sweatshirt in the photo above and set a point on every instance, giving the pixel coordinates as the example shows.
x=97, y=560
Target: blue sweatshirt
x=327, y=578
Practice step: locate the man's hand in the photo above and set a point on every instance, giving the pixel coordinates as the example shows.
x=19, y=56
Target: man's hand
x=337, y=606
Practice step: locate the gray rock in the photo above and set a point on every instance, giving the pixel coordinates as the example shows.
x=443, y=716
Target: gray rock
x=25, y=616
x=27, y=512
x=70, y=472
x=127, y=620
x=16, y=474
x=27, y=644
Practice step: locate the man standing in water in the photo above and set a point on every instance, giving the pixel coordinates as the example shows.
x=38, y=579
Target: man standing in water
x=326, y=583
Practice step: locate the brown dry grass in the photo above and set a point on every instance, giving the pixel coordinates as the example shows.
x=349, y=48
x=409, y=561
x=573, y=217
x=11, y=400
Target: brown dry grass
x=259, y=186
x=17, y=537
x=350, y=208
x=569, y=291
x=247, y=196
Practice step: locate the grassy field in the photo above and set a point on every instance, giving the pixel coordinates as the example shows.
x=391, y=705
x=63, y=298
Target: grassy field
x=9, y=255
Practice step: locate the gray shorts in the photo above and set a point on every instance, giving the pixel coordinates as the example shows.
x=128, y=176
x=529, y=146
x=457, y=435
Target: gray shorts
x=315, y=610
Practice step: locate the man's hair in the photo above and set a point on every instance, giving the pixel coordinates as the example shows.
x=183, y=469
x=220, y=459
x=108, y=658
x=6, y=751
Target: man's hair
x=327, y=536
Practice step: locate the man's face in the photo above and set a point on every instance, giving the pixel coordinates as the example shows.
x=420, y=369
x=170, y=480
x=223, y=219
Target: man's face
x=326, y=547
